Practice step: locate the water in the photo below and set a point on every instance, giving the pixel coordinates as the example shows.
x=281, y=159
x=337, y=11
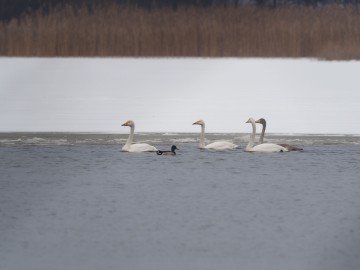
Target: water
x=74, y=201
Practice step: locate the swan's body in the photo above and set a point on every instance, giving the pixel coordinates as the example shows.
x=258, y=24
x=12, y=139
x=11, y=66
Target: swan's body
x=137, y=147
x=264, y=147
x=167, y=153
x=219, y=145
x=289, y=147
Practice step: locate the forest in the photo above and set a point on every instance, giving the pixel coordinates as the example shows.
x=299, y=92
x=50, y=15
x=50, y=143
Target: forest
x=15, y=8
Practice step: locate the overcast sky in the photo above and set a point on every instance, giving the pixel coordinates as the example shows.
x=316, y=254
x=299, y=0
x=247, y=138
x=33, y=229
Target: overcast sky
x=169, y=94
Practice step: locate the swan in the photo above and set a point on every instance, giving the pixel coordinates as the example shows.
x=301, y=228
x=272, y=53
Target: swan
x=171, y=153
x=137, y=147
x=219, y=145
x=264, y=147
x=289, y=147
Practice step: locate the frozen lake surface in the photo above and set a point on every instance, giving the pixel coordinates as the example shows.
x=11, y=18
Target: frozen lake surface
x=169, y=94
x=75, y=202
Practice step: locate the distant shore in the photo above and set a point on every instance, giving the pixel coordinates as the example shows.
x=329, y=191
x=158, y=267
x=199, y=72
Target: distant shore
x=330, y=32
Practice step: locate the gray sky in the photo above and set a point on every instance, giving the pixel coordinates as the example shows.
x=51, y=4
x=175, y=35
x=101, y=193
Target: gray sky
x=169, y=94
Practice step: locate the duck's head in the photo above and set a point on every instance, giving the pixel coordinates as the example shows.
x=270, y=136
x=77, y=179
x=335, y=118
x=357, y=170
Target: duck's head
x=250, y=120
x=199, y=122
x=261, y=121
x=129, y=123
x=173, y=148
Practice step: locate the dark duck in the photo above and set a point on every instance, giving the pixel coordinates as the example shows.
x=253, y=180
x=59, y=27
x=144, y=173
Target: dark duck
x=168, y=153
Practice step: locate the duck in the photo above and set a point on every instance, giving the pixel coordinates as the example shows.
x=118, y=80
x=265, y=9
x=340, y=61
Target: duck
x=218, y=145
x=168, y=153
x=136, y=147
x=289, y=147
x=263, y=147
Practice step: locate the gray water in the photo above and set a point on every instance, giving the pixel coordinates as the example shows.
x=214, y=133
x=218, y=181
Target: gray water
x=75, y=202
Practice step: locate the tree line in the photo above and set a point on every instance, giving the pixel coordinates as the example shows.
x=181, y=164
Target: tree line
x=16, y=8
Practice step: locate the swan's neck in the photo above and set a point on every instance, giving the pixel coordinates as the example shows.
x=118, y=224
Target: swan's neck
x=131, y=136
x=202, y=137
x=252, y=137
x=261, y=140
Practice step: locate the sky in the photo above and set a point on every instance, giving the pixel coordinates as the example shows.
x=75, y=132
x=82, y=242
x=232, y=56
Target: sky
x=169, y=94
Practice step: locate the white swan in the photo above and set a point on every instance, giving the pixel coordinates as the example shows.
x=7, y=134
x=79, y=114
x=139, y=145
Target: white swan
x=219, y=145
x=137, y=147
x=264, y=147
x=289, y=147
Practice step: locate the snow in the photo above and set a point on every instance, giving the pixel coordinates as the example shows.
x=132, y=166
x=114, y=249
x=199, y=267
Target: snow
x=169, y=94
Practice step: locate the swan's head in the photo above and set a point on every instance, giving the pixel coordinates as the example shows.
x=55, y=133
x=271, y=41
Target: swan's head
x=261, y=121
x=173, y=148
x=200, y=122
x=129, y=123
x=251, y=120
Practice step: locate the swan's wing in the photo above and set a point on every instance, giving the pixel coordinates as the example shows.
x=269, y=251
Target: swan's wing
x=142, y=147
x=268, y=148
x=290, y=147
x=221, y=145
